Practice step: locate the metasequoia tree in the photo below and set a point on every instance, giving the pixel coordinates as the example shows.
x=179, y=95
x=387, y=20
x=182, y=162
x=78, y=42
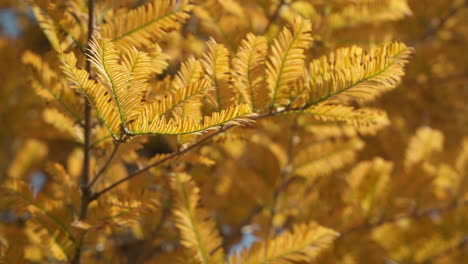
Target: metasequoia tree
x=229, y=131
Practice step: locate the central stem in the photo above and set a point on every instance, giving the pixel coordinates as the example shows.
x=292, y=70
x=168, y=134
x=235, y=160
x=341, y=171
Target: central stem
x=84, y=179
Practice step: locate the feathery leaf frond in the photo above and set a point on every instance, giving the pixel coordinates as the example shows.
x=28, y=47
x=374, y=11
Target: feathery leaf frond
x=190, y=71
x=158, y=58
x=182, y=96
x=143, y=25
x=61, y=28
x=361, y=117
x=48, y=85
x=425, y=142
x=31, y=152
x=249, y=69
x=53, y=241
x=98, y=95
x=324, y=157
x=364, y=12
x=368, y=183
x=197, y=230
x=303, y=243
x=216, y=64
x=354, y=74
x=122, y=211
x=286, y=61
x=62, y=123
x=47, y=213
x=46, y=81
x=139, y=66
x=105, y=57
x=49, y=28
x=147, y=124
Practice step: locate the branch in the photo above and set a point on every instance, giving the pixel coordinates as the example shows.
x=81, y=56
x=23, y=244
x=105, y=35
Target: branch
x=106, y=165
x=173, y=155
x=443, y=20
x=182, y=151
x=84, y=178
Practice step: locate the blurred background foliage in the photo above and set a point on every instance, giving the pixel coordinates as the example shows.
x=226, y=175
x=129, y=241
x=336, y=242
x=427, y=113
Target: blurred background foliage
x=400, y=199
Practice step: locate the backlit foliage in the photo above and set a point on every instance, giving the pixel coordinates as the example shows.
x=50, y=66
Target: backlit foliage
x=234, y=131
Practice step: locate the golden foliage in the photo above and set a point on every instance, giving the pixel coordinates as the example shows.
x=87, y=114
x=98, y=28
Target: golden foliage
x=366, y=12
x=105, y=57
x=58, y=22
x=98, y=95
x=303, y=243
x=286, y=61
x=423, y=144
x=48, y=85
x=137, y=116
x=216, y=63
x=197, y=230
x=324, y=157
x=175, y=100
x=62, y=123
x=249, y=67
x=369, y=182
x=140, y=26
x=233, y=131
x=234, y=115
x=371, y=119
x=353, y=74
x=27, y=157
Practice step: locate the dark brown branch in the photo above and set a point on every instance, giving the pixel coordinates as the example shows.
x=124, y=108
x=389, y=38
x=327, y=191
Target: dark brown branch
x=453, y=11
x=84, y=179
x=106, y=165
x=171, y=156
x=180, y=152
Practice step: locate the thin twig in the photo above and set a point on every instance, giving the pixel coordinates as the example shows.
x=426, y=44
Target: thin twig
x=443, y=20
x=183, y=151
x=171, y=156
x=106, y=165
